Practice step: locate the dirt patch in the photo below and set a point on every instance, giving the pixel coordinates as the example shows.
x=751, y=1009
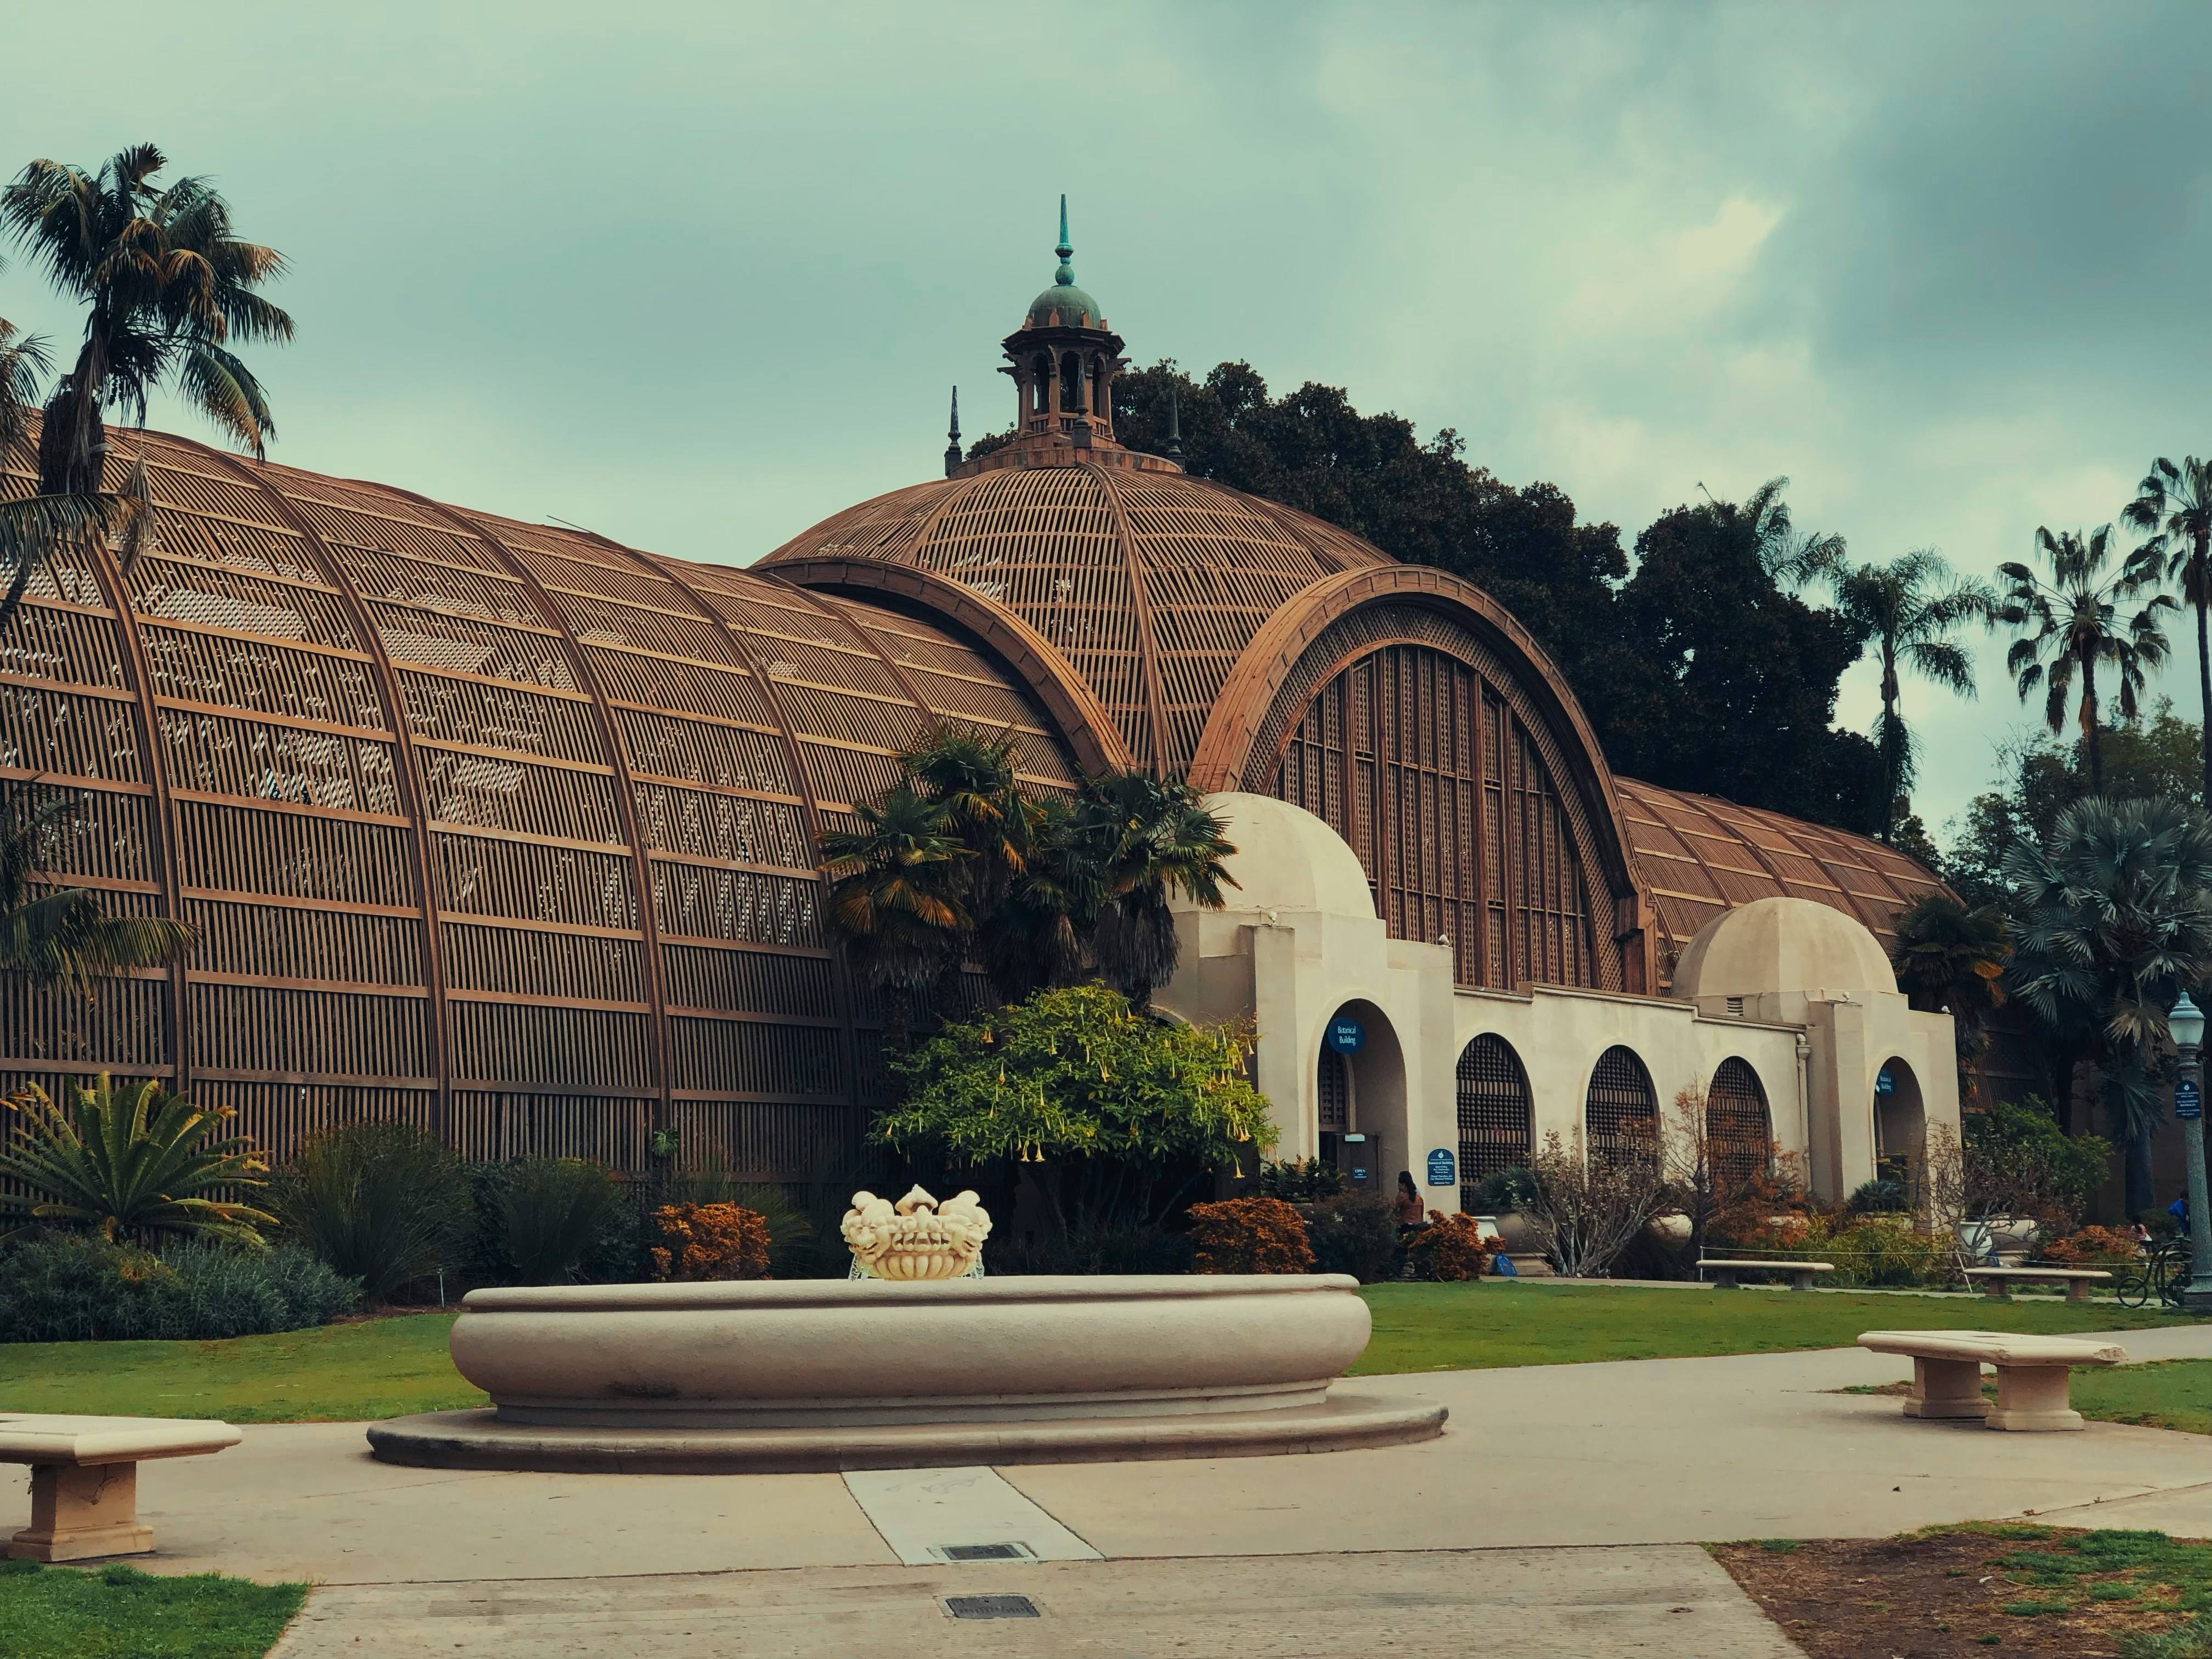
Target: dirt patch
x=1988, y=1591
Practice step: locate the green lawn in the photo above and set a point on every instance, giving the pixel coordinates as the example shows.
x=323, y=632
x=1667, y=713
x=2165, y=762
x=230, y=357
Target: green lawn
x=1494, y=1322
x=2167, y=1394
x=338, y=1373
x=119, y=1613
x=389, y=1367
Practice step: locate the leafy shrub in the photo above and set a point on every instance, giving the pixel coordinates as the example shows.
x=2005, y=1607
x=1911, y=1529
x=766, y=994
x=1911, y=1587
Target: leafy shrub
x=1451, y=1248
x=384, y=1203
x=2094, y=1247
x=1878, y=1251
x=553, y=1216
x=1299, y=1180
x=1880, y=1198
x=709, y=1241
x=796, y=1249
x=81, y=1288
x=2020, y=1162
x=1584, y=1209
x=1354, y=1233
x=1087, y=1250
x=1502, y=1191
x=1249, y=1236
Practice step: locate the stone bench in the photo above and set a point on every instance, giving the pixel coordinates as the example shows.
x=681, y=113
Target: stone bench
x=2031, y=1374
x=84, y=1477
x=1728, y=1274
x=1998, y=1281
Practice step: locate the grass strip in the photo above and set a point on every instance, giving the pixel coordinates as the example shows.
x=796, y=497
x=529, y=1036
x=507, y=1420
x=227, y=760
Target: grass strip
x=1494, y=1323
x=348, y=1373
x=118, y=1611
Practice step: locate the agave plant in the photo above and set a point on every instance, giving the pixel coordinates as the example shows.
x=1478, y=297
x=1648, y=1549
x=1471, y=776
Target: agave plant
x=131, y=1160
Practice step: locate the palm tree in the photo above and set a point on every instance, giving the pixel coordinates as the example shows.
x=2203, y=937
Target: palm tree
x=58, y=935
x=1790, y=557
x=130, y=1160
x=971, y=778
x=1950, y=960
x=2069, y=626
x=1154, y=839
x=896, y=896
x=2175, y=504
x=1040, y=935
x=2116, y=908
x=167, y=290
x=1909, y=609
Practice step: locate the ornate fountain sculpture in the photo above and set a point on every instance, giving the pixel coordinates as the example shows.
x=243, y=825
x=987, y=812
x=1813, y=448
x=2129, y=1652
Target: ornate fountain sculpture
x=917, y=1238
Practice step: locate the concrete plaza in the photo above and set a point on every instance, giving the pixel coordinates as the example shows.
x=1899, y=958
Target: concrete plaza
x=1562, y=1505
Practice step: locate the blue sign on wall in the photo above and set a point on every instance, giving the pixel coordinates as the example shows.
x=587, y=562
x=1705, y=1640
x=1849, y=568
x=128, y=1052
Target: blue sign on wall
x=1344, y=1036
x=2187, y=1103
x=1884, y=1084
x=1443, y=1168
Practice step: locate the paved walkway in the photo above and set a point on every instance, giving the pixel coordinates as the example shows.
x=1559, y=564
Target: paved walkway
x=1410, y=1549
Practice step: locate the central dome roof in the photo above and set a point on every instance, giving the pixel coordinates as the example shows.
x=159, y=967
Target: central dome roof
x=1151, y=584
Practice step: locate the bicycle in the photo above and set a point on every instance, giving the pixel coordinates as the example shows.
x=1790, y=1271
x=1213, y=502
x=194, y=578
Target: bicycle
x=2162, y=1273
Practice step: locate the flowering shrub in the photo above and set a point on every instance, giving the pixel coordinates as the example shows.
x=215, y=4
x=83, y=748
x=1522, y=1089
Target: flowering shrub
x=1249, y=1236
x=1451, y=1248
x=2093, y=1247
x=703, y=1242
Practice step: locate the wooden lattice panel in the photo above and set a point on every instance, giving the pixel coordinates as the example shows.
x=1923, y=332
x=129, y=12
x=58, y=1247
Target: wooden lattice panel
x=1429, y=768
x=1620, y=1112
x=1738, y=1127
x=1497, y=1112
x=437, y=785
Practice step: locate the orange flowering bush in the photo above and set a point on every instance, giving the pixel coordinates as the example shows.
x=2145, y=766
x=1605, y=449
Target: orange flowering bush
x=2093, y=1247
x=1451, y=1248
x=703, y=1242
x=1249, y=1236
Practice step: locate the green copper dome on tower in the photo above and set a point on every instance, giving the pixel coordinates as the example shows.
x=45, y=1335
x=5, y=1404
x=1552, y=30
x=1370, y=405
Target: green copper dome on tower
x=1077, y=309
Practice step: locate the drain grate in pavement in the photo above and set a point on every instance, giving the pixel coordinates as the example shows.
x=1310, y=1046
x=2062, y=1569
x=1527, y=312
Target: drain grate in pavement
x=983, y=1552
x=991, y=1606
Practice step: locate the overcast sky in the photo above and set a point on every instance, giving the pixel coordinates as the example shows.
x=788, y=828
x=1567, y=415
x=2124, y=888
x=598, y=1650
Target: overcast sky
x=698, y=275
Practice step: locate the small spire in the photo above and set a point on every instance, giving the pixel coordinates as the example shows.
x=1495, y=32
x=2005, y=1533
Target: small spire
x=1065, y=276
x=952, y=438
x=1174, y=426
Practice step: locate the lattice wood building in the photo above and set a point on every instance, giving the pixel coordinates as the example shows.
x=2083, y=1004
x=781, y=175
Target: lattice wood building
x=511, y=830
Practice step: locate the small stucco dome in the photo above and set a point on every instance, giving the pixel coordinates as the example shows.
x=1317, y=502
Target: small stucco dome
x=1781, y=944
x=1287, y=859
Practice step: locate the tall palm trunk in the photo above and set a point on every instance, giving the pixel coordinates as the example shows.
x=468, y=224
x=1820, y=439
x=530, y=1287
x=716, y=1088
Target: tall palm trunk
x=2204, y=665
x=2089, y=725
x=1892, y=739
x=77, y=467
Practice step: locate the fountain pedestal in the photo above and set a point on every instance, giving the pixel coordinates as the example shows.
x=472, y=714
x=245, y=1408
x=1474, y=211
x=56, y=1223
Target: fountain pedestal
x=858, y=1374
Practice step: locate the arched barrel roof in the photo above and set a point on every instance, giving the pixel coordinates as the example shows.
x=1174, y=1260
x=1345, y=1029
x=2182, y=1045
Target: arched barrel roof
x=496, y=826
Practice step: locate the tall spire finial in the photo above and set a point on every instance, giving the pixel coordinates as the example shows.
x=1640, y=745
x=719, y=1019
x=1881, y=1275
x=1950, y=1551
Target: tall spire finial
x=1065, y=276
x=1174, y=426
x=952, y=438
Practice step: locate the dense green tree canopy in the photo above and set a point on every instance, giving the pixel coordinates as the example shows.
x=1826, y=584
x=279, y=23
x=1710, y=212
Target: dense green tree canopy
x=1701, y=670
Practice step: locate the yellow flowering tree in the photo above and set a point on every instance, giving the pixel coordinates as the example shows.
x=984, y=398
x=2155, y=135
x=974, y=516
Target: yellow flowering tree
x=1133, y=1111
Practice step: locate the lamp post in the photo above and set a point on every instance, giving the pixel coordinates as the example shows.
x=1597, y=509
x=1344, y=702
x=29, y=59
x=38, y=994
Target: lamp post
x=2186, y=1022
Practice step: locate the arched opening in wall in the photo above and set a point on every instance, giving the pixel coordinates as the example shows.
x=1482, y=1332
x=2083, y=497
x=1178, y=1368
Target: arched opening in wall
x=1497, y=1114
x=1071, y=384
x=1040, y=378
x=1101, y=395
x=1362, y=1099
x=1900, y=1122
x=1739, y=1129
x=1620, y=1112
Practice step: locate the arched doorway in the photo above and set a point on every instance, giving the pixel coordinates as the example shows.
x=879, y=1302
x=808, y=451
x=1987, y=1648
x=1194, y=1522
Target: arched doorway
x=1360, y=1096
x=1620, y=1112
x=1739, y=1129
x=1900, y=1122
x=1496, y=1113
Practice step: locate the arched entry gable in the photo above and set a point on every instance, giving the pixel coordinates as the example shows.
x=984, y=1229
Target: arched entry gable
x=1484, y=810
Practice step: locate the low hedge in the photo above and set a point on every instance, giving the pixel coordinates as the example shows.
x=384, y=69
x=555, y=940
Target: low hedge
x=73, y=1288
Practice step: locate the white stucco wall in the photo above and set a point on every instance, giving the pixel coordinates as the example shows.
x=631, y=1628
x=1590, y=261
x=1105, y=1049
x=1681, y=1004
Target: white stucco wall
x=1300, y=941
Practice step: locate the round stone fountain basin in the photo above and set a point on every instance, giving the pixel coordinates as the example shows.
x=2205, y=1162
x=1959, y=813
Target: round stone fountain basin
x=875, y=1374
